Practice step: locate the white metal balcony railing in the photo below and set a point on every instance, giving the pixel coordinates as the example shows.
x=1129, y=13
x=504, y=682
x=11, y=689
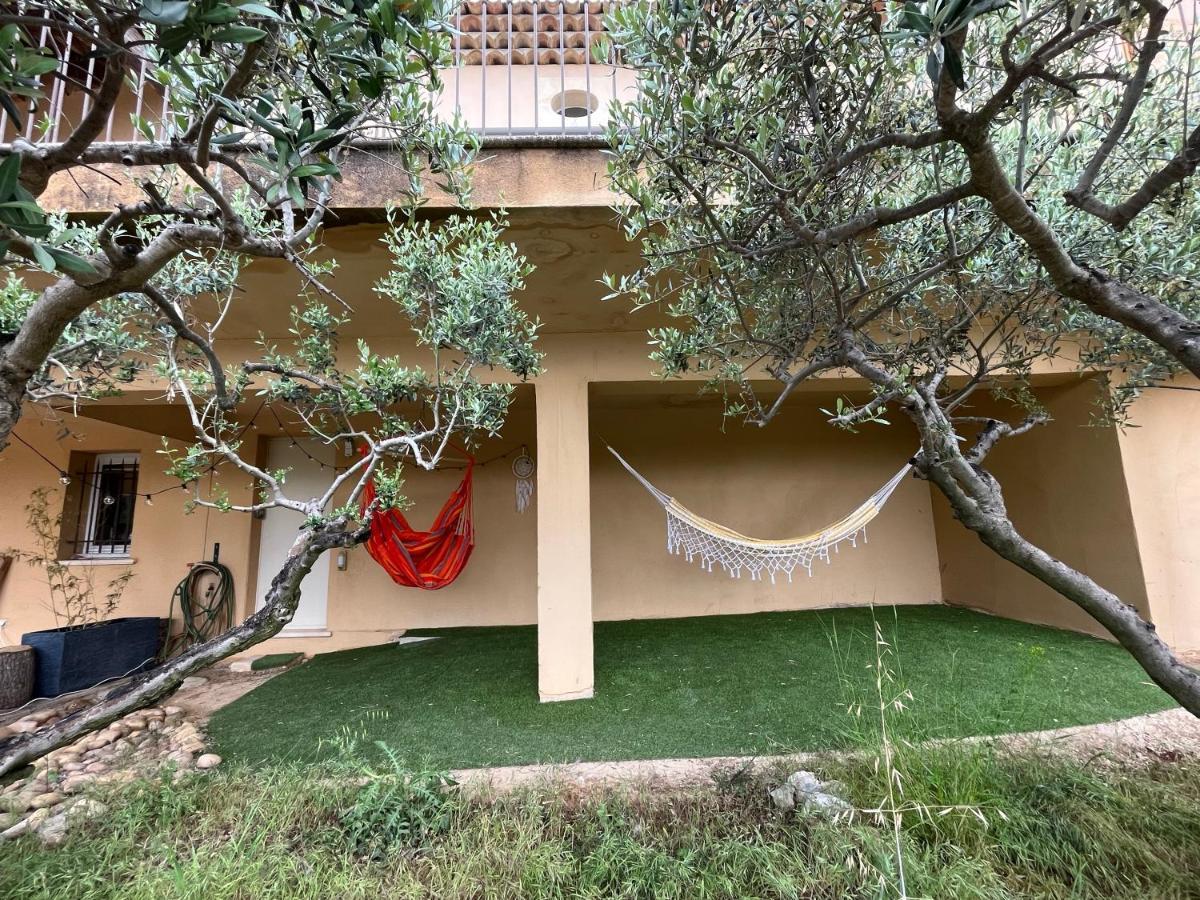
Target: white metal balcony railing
x=520, y=69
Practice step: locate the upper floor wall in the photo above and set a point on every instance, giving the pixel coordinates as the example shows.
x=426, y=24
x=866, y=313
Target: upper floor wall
x=532, y=78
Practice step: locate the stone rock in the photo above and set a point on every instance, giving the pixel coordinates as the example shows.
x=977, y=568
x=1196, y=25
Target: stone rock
x=17, y=803
x=243, y=665
x=54, y=830
x=121, y=776
x=193, y=681
x=135, y=723
x=837, y=788
x=37, y=818
x=15, y=831
x=153, y=712
x=42, y=716
x=77, y=783
x=8, y=820
x=804, y=782
x=64, y=758
x=208, y=761
x=103, y=739
x=96, y=768
x=23, y=726
x=783, y=797
x=821, y=804
x=181, y=758
x=73, y=767
x=46, y=800
x=154, y=725
x=84, y=809
x=172, y=713
x=813, y=797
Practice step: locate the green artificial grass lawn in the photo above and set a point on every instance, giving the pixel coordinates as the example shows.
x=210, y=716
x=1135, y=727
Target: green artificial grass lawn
x=764, y=683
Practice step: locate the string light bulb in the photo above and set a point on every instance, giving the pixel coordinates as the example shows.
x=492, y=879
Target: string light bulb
x=149, y=499
x=64, y=478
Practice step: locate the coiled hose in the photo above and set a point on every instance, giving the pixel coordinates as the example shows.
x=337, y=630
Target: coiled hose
x=203, y=616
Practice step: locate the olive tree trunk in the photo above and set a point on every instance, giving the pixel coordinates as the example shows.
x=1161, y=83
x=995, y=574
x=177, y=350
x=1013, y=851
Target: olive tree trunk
x=280, y=605
x=978, y=502
x=12, y=395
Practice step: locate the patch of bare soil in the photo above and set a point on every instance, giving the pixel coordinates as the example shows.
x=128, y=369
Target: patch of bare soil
x=220, y=687
x=200, y=696
x=1166, y=736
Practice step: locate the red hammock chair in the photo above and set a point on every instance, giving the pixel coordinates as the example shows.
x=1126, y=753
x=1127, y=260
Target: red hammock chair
x=424, y=559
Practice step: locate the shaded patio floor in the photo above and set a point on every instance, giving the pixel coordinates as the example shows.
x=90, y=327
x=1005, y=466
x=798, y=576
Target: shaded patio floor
x=722, y=685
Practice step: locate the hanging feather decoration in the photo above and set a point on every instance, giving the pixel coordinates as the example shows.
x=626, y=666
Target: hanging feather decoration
x=523, y=468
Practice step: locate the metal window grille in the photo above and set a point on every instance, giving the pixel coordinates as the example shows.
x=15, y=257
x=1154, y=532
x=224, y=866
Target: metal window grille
x=108, y=498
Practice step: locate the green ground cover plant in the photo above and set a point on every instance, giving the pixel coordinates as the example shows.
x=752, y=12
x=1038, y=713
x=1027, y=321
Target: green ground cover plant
x=1046, y=828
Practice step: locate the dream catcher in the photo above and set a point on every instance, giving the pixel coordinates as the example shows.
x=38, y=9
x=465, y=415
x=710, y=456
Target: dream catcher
x=523, y=468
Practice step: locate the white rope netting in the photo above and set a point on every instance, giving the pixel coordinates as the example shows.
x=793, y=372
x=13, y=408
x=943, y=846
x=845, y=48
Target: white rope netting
x=696, y=537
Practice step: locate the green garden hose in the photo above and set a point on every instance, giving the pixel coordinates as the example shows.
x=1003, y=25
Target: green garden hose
x=204, y=616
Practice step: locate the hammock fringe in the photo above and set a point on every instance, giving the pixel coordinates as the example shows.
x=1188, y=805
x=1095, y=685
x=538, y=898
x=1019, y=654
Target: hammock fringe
x=694, y=537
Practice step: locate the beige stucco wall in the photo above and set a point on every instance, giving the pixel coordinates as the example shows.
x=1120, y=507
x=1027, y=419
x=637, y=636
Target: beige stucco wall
x=792, y=477
x=1159, y=457
x=1065, y=490
x=498, y=586
x=1078, y=491
x=789, y=478
x=509, y=178
x=1065, y=485
x=165, y=539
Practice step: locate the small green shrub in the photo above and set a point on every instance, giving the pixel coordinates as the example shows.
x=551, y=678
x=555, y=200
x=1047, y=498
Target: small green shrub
x=397, y=808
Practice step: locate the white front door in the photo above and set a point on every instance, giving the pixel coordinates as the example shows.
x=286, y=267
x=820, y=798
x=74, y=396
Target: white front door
x=305, y=480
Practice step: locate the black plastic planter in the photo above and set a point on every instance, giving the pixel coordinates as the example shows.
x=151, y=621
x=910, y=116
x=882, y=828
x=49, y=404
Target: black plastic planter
x=80, y=656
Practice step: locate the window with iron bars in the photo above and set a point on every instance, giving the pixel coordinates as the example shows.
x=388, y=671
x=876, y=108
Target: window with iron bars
x=106, y=500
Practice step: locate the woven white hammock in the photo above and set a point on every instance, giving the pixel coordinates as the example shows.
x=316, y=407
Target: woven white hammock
x=694, y=536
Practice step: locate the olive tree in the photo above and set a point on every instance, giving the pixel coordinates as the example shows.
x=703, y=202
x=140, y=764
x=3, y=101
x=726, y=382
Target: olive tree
x=453, y=284
x=932, y=197
x=266, y=100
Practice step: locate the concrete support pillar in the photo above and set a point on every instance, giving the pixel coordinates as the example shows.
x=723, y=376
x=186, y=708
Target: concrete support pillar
x=564, y=540
x=1164, y=497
